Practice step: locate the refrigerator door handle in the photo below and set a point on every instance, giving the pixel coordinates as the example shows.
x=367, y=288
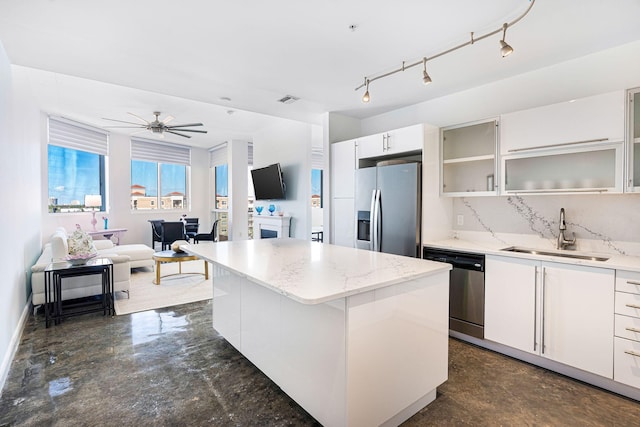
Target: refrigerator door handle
x=372, y=229
x=378, y=245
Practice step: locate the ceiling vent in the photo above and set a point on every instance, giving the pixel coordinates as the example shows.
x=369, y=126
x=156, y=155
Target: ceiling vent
x=288, y=99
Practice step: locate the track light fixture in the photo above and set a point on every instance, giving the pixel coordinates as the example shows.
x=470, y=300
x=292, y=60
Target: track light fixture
x=505, y=50
x=426, y=79
x=366, y=98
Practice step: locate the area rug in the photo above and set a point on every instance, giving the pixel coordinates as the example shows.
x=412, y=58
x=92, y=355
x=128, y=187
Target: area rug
x=173, y=289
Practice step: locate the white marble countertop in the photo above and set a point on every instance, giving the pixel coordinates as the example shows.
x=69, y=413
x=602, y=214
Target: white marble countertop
x=313, y=272
x=615, y=261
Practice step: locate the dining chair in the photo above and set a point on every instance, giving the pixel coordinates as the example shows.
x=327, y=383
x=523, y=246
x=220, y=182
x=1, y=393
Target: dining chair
x=213, y=236
x=172, y=231
x=191, y=226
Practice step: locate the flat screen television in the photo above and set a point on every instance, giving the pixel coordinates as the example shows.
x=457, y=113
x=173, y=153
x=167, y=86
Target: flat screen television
x=268, y=183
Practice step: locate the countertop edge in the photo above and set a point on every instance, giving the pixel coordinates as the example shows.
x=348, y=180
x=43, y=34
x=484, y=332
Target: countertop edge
x=443, y=267
x=615, y=261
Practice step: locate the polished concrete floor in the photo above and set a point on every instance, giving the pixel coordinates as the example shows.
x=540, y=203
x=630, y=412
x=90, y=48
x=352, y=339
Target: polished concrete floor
x=169, y=367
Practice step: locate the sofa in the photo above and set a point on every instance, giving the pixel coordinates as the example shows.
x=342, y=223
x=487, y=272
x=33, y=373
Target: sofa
x=124, y=258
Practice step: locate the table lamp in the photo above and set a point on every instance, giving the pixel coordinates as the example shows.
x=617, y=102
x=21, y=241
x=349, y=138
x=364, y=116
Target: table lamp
x=93, y=201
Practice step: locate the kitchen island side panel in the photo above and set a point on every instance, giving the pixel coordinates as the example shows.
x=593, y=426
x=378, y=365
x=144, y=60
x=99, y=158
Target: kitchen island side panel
x=359, y=360
x=397, y=350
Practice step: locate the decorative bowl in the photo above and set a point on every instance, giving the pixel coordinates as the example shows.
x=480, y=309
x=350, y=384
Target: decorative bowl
x=80, y=259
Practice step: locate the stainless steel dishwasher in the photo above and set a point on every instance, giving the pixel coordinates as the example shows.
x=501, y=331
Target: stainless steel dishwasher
x=466, y=289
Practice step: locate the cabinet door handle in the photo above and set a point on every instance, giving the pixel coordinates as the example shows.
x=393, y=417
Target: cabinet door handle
x=544, y=285
x=632, y=353
x=384, y=142
x=633, y=282
x=633, y=306
x=633, y=329
x=535, y=309
x=388, y=145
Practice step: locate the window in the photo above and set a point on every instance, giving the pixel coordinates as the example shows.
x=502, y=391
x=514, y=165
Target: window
x=76, y=157
x=316, y=188
x=159, y=175
x=317, y=159
x=222, y=187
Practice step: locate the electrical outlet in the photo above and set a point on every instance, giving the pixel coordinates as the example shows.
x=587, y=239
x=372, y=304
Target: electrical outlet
x=460, y=219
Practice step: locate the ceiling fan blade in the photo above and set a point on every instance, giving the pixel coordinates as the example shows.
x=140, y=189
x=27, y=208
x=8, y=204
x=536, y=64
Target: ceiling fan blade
x=177, y=133
x=187, y=130
x=167, y=119
x=122, y=127
x=184, y=126
x=122, y=121
x=139, y=118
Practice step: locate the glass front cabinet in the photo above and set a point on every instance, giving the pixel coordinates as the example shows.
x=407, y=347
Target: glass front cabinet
x=633, y=138
x=469, y=166
x=592, y=167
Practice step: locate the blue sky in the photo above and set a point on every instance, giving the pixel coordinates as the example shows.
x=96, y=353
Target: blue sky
x=74, y=174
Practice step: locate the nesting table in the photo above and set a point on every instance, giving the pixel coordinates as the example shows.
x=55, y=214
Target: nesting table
x=53, y=288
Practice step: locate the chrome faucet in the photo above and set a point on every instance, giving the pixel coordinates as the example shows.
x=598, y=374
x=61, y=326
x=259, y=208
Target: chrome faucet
x=563, y=243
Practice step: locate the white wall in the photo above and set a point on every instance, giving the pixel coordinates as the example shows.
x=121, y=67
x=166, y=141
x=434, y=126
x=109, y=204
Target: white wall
x=19, y=191
x=118, y=195
x=289, y=143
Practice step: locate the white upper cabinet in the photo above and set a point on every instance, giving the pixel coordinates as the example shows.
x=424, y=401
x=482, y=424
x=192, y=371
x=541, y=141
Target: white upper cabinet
x=397, y=141
x=599, y=117
x=343, y=166
x=468, y=159
x=633, y=141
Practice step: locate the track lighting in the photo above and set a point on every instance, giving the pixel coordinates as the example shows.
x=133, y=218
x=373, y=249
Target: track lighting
x=505, y=50
x=425, y=76
x=366, y=98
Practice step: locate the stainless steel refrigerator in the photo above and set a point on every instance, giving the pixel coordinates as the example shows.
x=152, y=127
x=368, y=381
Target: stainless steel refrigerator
x=388, y=208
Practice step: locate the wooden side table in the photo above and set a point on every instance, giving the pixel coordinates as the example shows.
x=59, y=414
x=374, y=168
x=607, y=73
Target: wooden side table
x=53, y=283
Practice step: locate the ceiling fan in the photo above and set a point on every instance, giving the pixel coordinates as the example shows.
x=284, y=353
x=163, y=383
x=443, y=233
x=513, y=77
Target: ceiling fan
x=159, y=126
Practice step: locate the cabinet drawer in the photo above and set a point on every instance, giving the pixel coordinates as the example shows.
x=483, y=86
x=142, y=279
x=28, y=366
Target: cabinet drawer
x=627, y=366
x=628, y=281
x=627, y=327
x=627, y=304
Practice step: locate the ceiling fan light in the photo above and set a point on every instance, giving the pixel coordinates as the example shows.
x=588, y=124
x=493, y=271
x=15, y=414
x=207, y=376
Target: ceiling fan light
x=505, y=49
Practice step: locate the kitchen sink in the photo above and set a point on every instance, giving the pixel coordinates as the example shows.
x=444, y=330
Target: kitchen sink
x=553, y=253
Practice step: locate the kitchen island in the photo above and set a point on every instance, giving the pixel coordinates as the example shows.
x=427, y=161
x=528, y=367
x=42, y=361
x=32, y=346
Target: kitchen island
x=357, y=338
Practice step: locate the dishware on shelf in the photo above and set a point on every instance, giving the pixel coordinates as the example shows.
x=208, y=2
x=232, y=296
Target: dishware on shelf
x=272, y=209
x=259, y=209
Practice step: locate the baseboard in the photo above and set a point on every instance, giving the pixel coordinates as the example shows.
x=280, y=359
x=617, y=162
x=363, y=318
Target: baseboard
x=13, y=345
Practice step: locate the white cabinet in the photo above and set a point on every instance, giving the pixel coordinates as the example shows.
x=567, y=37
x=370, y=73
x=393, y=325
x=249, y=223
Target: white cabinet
x=594, y=167
x=511, y=300
x=560, y=311
x=627, y=328
x=468, y=159
x=343, y=169
x=633, y=141
x=399, y=141
x=599, y=117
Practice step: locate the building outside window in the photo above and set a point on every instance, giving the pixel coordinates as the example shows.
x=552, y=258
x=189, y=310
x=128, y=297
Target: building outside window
x=76, y=159
x=316, y=188
x=159, y=175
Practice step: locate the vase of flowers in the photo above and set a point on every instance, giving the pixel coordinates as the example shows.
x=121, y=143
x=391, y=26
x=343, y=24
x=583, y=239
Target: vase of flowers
x=106, y=222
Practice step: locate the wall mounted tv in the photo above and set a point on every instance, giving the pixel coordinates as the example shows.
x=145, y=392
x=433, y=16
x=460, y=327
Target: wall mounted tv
x=267, y=182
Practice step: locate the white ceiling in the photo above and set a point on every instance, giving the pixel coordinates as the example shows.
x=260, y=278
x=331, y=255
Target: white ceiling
x=89, y=60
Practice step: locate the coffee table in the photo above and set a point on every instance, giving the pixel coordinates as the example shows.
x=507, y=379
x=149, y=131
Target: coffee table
x=171, y=256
